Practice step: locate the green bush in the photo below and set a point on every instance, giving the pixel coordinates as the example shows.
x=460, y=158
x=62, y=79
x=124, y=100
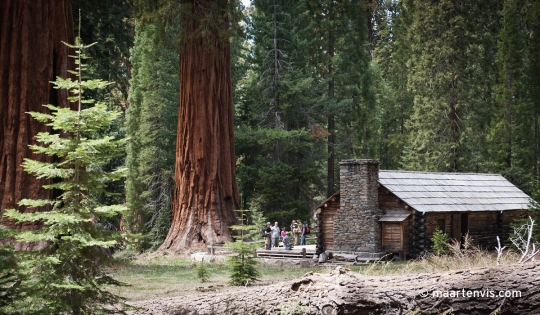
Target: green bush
x=440, y=242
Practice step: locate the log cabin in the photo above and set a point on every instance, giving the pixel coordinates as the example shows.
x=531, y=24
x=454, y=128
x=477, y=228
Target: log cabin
x=377, y=212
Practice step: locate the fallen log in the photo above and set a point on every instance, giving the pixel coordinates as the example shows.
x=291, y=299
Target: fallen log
x=472, y=291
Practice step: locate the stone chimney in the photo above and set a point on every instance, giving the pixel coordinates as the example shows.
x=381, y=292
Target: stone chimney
x=356, y=224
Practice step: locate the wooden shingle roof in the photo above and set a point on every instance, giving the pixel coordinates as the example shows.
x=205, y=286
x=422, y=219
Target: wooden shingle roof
x=435, y=192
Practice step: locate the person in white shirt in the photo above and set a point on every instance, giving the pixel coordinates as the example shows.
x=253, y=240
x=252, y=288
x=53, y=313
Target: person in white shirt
x=276, y=231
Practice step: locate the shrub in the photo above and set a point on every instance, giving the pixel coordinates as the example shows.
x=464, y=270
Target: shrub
x=440, y=242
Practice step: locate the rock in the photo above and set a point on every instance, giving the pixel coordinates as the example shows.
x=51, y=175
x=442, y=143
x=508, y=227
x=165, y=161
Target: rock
x=339, y=256
x=198, y=257
x=322, y=258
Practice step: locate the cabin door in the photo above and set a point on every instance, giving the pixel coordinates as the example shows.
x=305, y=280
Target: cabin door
x=460, y=226
x=392, y=237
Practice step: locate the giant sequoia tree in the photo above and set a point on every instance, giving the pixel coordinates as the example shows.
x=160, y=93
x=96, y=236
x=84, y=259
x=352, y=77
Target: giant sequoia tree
x=206, y=191
x=32, y=55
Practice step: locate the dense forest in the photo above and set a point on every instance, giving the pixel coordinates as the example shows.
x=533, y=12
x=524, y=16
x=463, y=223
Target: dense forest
x=420, y=85
x=448, y=86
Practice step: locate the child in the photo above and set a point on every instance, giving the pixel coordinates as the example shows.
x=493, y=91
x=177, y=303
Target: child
x=287, y=242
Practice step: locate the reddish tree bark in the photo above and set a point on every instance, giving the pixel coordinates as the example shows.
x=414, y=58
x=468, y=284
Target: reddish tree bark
x=31, y=55
x=206, y=191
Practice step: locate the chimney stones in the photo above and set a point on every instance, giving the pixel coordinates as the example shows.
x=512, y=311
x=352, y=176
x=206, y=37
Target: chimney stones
x=356, y=224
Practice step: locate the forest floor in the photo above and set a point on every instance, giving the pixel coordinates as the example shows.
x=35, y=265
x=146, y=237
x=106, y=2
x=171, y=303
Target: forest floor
x=155, y=276
x=157, y=279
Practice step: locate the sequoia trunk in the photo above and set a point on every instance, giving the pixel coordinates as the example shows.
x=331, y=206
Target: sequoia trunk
x=466, y=292
x=206, y=193
x=31, y=55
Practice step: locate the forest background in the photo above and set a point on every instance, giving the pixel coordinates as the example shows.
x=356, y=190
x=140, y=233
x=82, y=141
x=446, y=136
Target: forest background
x=445, y=86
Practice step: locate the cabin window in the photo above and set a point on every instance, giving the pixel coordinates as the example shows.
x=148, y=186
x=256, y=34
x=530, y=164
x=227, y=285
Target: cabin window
x=441, y=225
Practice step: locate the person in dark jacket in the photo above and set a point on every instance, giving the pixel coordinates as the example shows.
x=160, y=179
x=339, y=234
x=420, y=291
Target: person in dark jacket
x=268, y=236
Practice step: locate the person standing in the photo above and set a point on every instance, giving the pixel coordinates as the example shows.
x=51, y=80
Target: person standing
x=275, y=235
x=296, y=234
x=293, y=225
x=268, y=236
x=302, y=234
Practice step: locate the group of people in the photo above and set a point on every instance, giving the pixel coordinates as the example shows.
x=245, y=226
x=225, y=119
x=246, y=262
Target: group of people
x=273, y=234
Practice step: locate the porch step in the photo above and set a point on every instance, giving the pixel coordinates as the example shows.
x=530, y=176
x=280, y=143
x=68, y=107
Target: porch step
x=299, y=253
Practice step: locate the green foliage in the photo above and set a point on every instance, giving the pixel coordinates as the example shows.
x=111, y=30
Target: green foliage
x=202, y=272
x=109, y=23
x=450, y=77
x=293, y=308
x=204, y=16
x=394, y=101
x=278, y=171
x=510, y=136
x=534, y=213
x=152, y=121
x=11, y=273
x=440, y=241
x=243, y=263
x=69, y=274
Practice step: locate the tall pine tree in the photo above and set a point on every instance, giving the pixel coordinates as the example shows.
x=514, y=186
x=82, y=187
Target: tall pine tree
x=278, y=171
x=450, y=76
x=343, y=81
x=512, y=126
x=151, y=126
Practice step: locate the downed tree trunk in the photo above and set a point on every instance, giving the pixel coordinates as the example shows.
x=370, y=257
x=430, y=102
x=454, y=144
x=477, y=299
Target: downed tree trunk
x=346, y=292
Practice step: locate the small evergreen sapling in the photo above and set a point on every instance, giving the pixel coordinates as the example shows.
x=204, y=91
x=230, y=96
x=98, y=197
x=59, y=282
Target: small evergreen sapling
x=243, y=270
x=70, y=271
x=440, y=242
x=202, y=272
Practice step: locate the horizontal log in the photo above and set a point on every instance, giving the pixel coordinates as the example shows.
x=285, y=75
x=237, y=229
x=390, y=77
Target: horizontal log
x=345, y=292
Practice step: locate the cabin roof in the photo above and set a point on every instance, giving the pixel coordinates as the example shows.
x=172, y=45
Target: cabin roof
x=441, y=192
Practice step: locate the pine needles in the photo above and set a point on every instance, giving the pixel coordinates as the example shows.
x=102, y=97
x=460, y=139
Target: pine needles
x=69, y=272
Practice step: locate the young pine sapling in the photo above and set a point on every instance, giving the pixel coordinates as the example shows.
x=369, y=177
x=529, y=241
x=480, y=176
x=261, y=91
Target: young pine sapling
x=70, y=270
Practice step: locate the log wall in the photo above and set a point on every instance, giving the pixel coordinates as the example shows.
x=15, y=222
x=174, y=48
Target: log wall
x=389, y=201
x=325, y=222
x=483, y=226
x=407, y=235
x=509, y=218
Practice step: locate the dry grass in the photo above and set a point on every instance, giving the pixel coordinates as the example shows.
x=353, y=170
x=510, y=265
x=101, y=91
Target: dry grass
x=456, y=258
x=156, y=275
